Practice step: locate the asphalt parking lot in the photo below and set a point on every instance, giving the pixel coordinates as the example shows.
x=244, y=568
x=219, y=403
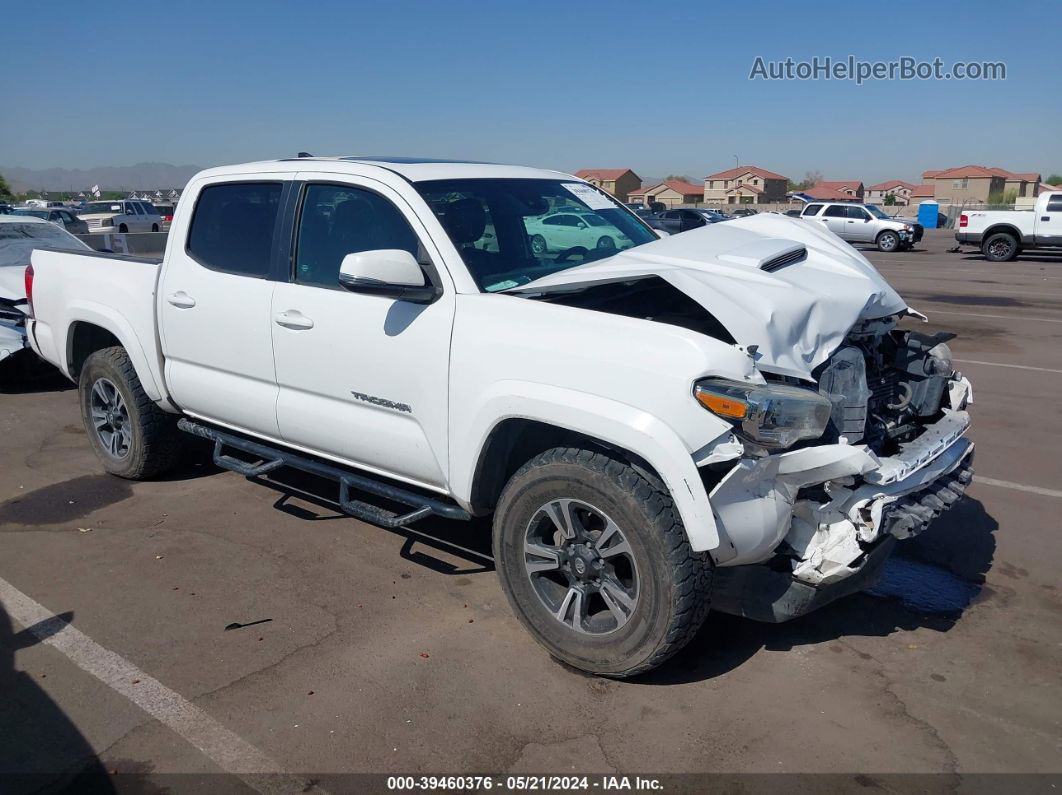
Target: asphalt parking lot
x=368, y=650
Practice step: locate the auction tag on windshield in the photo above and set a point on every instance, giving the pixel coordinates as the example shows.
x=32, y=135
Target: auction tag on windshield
x=590, y=196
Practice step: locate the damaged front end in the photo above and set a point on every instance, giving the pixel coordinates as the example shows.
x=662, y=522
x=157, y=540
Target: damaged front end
x=817, y=521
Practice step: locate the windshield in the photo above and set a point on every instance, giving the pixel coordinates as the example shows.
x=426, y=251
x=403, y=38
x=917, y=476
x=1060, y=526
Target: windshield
x=877, y=212
x=101, y=207
x=512, y=231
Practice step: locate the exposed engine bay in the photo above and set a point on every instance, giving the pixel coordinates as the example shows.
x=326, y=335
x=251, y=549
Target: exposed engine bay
x=885, y=386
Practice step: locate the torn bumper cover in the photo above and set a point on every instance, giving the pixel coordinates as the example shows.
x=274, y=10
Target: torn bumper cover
x=828, y=516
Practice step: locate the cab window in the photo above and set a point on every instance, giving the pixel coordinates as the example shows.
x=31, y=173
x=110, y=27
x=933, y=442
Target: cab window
x=337, y=220
x=232, y=227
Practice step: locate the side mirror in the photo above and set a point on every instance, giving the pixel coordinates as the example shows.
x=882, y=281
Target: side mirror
x=388, y=272
x=581, y=225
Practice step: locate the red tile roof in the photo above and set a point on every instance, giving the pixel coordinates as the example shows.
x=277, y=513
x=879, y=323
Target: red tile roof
x=685, y=188
x=926, y=191
x=834, y=190
x=602, y=173
x=980, y=172
x=890, y=184
x=732, y=173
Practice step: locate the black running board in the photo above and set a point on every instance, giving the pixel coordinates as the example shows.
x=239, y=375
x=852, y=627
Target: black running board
x=271, y=458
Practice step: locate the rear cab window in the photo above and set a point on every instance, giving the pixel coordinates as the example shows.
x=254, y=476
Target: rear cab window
x=232, y=227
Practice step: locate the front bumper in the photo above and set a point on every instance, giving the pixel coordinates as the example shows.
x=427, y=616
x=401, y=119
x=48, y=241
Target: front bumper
x=771, y=592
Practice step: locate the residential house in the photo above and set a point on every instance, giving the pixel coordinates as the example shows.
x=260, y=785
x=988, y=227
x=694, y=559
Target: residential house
x=671, y=193
x=897, y=188
x=975, y=184
x=620, y=182
x=837, y=190
x=923, y=192
x=745, y=185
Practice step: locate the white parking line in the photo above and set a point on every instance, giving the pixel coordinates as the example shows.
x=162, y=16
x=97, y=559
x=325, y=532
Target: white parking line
x=226, y=748
x=1006, y=484
x=1014, y=366
x=995, y=317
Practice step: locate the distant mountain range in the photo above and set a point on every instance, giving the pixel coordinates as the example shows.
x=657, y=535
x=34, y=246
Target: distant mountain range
x=142, y=176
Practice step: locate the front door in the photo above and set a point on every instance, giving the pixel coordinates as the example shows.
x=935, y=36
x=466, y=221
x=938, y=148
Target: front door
x=860, y=230
x=214, y=306
x=362, y=378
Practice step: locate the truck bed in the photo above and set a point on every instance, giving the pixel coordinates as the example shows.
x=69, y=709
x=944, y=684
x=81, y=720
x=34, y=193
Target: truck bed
x=78, y=292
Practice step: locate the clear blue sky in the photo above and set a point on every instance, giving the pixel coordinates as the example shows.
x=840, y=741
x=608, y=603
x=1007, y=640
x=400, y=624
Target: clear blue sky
x=659, y=86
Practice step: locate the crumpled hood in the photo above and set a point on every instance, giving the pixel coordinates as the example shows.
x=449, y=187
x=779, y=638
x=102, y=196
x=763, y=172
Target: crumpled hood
x=797, y=315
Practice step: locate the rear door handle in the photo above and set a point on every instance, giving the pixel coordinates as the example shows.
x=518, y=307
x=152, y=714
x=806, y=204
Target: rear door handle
x=181, y=300
x=293, y=319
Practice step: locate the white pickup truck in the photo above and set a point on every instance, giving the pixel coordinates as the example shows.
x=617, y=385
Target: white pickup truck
x=1003, y=234
x=730, y=417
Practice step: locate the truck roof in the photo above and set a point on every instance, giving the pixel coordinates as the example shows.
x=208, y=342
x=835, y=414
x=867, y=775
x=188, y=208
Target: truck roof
x=414, y=169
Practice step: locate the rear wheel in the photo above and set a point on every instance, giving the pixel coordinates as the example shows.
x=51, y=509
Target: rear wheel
x=1000, y=247
x=154, y=227
x=606, y=242
x=888, y=241
x=132, y=436
x=596, y=563
x=123, y=228
x=538, y=245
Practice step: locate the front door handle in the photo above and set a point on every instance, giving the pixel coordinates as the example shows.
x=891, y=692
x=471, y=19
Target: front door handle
x=181, y=300
x=293, y=319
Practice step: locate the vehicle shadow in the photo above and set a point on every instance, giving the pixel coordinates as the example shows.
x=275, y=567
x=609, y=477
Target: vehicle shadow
x=927, y=584
x=24, y=373
x=1050, y=258
x=42, y=750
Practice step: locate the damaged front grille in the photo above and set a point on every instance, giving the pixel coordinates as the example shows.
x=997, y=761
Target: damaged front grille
x=885, y=388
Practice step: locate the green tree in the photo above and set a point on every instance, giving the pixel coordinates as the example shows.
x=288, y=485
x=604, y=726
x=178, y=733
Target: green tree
x=1054, y=179
x=680, y=177
x=5, y=189
x=890, y=200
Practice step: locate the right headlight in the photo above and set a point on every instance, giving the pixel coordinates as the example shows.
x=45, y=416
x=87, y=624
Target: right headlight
x=775, y=416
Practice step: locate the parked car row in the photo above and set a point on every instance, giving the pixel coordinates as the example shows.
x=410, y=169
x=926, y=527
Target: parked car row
x=122, y=215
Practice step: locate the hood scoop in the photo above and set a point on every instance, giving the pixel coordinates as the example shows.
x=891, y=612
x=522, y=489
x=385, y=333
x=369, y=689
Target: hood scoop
x=767, y=255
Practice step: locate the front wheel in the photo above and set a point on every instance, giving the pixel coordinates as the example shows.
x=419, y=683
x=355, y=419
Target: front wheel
x=538, y=245
x=606, y=242
x=596, y=563
x=131, y=436
x=888, y=241
x=154, y=227
x=123, y=228
x=1000, y=247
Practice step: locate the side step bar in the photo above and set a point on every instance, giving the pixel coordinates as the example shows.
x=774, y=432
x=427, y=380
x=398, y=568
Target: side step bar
x=273, y=458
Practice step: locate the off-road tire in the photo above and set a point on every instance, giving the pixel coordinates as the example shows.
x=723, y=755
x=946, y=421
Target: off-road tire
x=674, y=581
x=887, y=241
x=156, y=444
x=1005, y=249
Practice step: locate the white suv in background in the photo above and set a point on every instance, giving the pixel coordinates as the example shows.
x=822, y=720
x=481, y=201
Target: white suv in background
x=864, y=223
x=123, y=215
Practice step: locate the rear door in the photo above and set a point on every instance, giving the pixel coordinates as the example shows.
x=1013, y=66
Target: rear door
x=835, y=217
x=363, y=378
x=214, y=303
